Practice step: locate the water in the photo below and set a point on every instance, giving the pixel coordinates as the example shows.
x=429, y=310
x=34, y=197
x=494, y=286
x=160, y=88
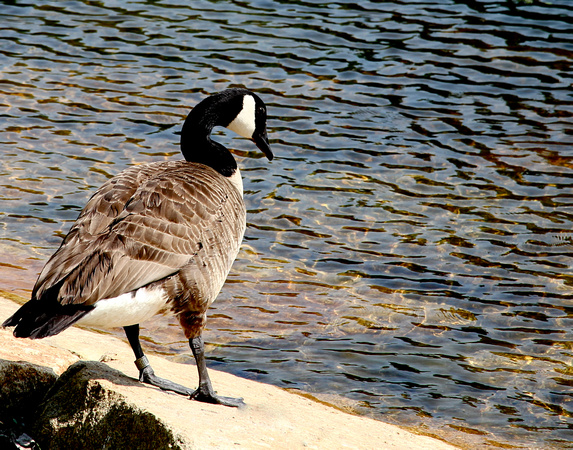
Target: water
x=409, y=249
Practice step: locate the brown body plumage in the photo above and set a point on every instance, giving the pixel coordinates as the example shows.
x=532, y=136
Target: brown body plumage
x=160, y=225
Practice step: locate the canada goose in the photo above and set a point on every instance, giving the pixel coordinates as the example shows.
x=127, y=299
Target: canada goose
x=157, y=237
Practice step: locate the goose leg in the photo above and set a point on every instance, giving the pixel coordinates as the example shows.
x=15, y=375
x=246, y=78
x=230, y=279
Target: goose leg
x=205, y=392
x=146, y=374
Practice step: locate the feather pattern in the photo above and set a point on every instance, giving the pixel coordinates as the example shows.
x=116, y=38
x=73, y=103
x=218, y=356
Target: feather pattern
x=148, y=223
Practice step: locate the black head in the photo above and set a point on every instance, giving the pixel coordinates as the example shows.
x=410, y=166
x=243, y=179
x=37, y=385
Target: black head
x=237, y=109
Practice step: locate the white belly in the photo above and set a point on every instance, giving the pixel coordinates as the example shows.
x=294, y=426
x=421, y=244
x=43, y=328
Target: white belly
x=126, y=309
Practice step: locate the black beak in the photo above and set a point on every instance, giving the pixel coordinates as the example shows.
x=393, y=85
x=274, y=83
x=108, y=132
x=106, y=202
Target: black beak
x=263, y=143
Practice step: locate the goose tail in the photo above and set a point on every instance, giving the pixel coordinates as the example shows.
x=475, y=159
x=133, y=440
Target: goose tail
x=38, y=319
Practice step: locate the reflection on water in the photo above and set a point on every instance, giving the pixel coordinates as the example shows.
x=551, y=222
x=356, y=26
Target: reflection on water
x=409, y=248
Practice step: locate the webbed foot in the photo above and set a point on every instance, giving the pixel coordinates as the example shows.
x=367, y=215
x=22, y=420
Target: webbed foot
x=147, y=376
x=208, y=396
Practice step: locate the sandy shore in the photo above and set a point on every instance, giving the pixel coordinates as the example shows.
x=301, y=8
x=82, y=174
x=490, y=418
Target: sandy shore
x=273, y=417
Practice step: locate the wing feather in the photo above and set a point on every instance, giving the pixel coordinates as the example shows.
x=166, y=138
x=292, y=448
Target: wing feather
x=143, y=225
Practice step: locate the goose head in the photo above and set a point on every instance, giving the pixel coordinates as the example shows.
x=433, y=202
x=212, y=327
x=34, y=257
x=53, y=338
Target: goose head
x=239, y=110
x=251, y=119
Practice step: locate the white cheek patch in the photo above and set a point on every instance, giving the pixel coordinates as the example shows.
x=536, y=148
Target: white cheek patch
x=244, y=123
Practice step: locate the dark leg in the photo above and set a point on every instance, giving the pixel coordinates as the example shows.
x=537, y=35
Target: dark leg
x=205, y=392
x=146, y=374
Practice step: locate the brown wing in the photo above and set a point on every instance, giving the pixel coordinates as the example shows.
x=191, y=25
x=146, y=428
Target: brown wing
x=143, y=225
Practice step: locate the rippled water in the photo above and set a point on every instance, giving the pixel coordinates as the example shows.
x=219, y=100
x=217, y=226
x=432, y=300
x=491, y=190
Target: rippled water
x=409, y=248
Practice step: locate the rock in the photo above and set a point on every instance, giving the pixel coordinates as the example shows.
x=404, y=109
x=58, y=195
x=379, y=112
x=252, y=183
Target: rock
x=82, y=410
x=12, y=439
x=23, y=388
x=34, y=351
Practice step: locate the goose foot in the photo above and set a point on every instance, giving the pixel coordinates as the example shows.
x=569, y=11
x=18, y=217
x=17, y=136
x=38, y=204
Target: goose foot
x=208, y=396
x=205, y=392
x=147, y=376
x=146, y=373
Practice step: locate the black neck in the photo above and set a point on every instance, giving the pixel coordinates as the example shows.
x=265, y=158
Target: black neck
x=196, y=143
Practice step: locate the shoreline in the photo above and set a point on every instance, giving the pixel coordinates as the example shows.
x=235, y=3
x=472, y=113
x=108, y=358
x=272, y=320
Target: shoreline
x=272, y=416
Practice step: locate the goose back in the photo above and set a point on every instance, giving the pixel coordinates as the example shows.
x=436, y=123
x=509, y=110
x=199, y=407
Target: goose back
x=147, y=225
